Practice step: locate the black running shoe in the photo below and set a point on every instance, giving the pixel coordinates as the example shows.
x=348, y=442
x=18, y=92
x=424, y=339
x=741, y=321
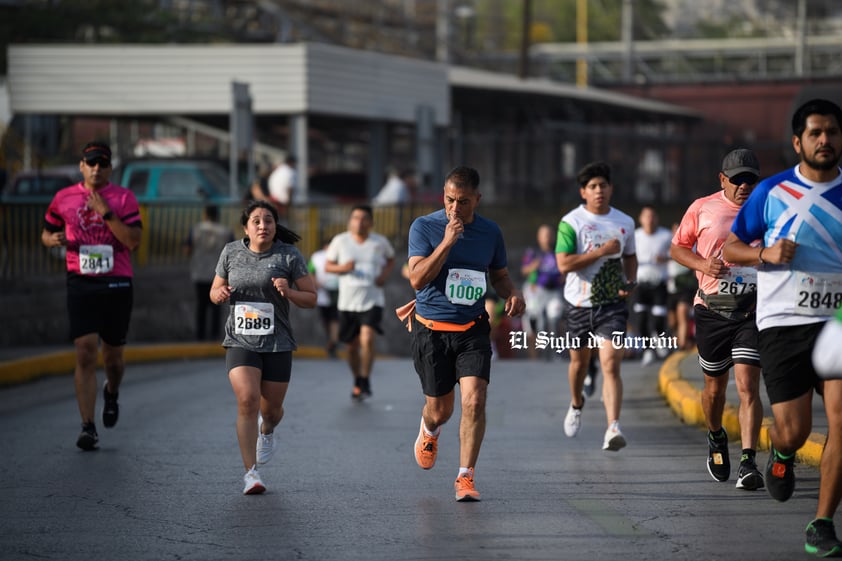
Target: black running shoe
x=821, y=539
x=590, y=379
x=110, y=408
x=719, y=464
x=748, y=476
x=780, y=476
x=88, y=438
x=365, y=385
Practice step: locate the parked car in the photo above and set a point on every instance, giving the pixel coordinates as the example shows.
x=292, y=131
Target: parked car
x=174, y=180
x=39, y=186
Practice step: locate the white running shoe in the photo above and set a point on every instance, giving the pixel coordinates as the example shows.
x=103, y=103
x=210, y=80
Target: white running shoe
x=573, y=421
x=648, y=357
x=614, y=439
x=253, y=484
x=265, y=444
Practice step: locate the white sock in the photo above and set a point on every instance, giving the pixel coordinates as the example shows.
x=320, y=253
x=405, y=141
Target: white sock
x=463, y=471
x=428, y=432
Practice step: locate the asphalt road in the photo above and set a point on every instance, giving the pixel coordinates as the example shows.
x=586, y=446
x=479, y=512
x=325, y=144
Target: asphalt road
x=167, y=481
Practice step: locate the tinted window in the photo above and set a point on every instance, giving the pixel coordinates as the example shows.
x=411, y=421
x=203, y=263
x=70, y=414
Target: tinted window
x=41, y=185
x=138, y=182
x=179, y=184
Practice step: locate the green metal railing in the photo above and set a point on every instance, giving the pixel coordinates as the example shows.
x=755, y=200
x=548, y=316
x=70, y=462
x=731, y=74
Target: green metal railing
x=166, y=227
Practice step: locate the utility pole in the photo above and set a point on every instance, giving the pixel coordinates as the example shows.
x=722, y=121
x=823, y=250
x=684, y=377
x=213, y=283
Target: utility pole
x=582, y=41
x=524, y=39
x=443, y=31
x=801, y=47
x=628, y=40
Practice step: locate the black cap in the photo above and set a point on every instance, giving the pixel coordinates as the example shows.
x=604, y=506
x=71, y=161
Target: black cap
x=741, y=160
x=93, y=150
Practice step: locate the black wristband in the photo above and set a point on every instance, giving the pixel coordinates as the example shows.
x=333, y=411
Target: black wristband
x=108, y=215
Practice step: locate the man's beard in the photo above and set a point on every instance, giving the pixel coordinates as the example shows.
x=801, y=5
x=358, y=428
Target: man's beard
x=821, y=165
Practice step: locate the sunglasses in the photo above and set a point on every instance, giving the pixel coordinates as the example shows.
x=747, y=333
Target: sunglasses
x=741, y=178
x=101, y=162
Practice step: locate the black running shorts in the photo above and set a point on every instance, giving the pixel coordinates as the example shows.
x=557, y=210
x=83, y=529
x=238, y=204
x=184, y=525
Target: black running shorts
x=441, y=358
x=723, y=342
x=601, y=320
x=350, y=323
x=786, y=354
x=101, y=305
x=274, y=367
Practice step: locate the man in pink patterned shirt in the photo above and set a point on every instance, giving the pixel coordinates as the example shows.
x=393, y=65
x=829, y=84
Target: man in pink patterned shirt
x=724, y=309
x=99, y=224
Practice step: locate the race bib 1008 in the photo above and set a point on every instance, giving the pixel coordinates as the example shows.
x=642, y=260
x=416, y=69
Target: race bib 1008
x=254, y=318
x=96, y=259
x=464, y=286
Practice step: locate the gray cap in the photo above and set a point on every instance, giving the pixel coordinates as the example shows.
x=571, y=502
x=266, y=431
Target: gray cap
x=741, y=160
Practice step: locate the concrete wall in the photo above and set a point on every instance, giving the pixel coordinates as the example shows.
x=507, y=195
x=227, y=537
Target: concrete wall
x=34, y=312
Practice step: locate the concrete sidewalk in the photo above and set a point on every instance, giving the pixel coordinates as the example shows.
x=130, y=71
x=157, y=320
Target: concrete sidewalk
x=681, y=380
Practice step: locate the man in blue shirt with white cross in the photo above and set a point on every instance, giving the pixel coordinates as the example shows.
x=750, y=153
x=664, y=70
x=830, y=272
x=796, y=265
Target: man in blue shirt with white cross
x=797, y=214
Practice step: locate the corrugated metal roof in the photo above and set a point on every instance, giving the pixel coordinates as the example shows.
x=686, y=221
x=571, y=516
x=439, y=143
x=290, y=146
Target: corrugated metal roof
x=284, y=79
x=196, y=79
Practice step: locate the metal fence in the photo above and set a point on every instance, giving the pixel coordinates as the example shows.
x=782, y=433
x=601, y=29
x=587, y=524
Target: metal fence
x=166, y=227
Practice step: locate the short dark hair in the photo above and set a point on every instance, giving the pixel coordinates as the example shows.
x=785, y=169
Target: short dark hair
x=212, y=212
x=463, y=176
x=814, y=107
x=365, y=208
x=591, y=170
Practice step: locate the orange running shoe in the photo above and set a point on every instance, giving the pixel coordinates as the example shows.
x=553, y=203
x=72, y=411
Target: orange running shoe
x=464, y=486
x=426, y=448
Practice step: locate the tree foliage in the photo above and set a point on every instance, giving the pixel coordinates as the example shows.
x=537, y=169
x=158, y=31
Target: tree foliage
x=499, y=22
x=97, y=21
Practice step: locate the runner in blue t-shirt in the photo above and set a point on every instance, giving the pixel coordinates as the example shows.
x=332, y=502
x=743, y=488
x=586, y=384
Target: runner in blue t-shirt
x=454, y=254
x=797, y=214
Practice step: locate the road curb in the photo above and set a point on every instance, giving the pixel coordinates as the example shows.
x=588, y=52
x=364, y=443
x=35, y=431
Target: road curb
x=63, y=362
x=685, y=401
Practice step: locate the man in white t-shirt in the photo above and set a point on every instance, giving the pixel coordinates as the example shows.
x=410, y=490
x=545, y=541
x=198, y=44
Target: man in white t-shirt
x=283, y=181
x=363, y=259
x=327, y=295
x=595, y=248
x=649, y=303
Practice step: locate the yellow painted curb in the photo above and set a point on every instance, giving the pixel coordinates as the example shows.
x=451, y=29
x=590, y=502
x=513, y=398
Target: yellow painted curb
x=685, y=401
x=64, y=362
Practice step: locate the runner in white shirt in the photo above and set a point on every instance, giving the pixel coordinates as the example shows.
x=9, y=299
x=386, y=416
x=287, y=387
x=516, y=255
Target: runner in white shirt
x=364, y=260
x=595, y=248
x=649, y=302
